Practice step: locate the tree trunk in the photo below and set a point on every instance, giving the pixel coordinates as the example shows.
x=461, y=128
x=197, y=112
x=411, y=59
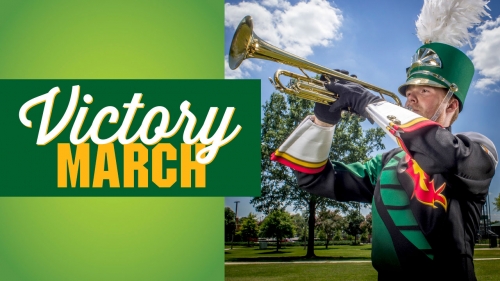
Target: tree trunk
x=327, y=242
x=277, y=244
x=304, y=233
x=248, y=242
x=312, y=223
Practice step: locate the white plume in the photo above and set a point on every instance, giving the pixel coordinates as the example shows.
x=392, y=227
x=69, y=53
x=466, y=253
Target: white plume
x=448, y=21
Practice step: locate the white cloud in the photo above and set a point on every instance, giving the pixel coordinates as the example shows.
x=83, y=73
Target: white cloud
x=295, y=28
x=495, y=216
x=485, y=55
x=276, y=3
x=240, y=72
x=483, y=83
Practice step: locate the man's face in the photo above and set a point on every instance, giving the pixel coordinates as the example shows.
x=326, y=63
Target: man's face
x=424, y=100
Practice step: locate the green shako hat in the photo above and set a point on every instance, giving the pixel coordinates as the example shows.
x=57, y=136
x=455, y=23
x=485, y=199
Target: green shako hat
x=443, y=64
x=440, y=65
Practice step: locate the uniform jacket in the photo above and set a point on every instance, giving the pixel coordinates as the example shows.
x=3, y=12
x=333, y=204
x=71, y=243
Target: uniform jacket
x=426, y=201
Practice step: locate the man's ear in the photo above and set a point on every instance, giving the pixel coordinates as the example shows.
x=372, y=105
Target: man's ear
x=452, y=105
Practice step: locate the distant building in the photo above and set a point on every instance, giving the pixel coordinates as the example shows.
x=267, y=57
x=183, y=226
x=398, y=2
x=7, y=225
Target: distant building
x=496, y=228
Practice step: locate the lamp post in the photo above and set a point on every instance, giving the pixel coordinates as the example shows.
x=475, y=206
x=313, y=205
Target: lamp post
x=489, y=212
x=235, y=223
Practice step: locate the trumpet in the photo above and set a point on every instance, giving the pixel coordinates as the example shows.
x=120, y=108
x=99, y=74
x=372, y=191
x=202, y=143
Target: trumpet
x=246, y=44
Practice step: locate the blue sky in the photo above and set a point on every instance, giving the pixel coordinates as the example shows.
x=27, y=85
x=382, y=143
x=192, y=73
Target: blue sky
x=375, y=40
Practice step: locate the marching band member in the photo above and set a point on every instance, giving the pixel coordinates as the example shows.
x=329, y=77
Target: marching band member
x=427, y=194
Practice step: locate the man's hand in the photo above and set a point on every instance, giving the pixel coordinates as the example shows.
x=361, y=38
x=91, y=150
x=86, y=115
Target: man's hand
x=324, y=114
x=352, y=96
x=321, y=123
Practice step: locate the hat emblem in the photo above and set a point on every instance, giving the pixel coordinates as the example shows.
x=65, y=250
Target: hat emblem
x=424, y=57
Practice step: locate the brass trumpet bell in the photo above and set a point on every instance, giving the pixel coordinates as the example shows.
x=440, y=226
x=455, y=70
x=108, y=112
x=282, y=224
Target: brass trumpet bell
x=246, y=44
x=241, y=41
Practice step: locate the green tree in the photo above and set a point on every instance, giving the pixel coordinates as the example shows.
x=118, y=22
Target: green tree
x=329, y=222
x=321, y=235
x=496, y=202
x=338, y=235
x=366, y=225
x=354, y=220
x=279, y=186
x=277, y=224
x=229, y=224
x=300, y=223
x=249, y=228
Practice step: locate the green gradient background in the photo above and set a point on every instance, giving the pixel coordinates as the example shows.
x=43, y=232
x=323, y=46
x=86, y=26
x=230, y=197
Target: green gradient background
x=111, y=238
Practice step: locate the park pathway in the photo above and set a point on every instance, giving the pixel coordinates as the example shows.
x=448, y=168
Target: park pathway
x=354, y=261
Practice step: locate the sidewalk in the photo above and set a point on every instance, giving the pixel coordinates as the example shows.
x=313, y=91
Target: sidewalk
x=310, y=262
x=289, y=262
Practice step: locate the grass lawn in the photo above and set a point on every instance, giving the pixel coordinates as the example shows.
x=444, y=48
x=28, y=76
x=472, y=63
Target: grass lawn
x=309, y=272
x=297, y=253
x=336, y=263
x=485, y=271
x=487, y=253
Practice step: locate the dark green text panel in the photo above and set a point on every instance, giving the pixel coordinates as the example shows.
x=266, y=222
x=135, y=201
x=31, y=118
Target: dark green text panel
x=31, y=169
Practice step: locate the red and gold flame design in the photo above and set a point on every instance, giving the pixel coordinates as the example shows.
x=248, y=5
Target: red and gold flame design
x=424, y=189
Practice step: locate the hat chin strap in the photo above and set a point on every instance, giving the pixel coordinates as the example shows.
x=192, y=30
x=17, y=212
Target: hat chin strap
x=443, y=105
